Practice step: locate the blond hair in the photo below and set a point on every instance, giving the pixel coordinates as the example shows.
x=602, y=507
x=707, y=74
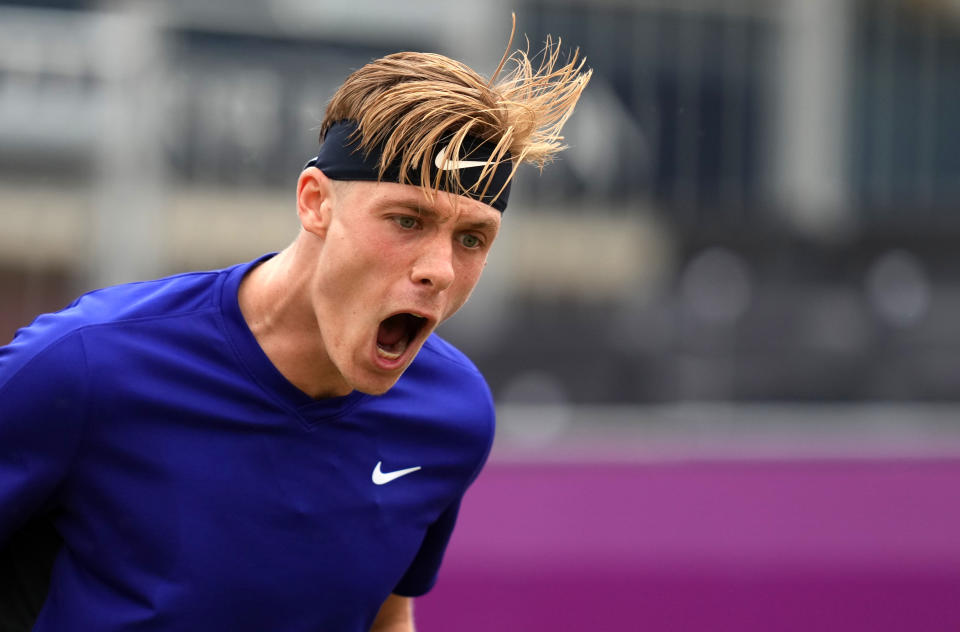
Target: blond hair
x=408, y=102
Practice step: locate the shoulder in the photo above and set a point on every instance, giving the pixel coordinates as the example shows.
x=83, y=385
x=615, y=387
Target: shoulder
x=173, y=295
x=439, y=350
x=59, y=334
x=451, y=367
x=447, y=397
x=445, y=381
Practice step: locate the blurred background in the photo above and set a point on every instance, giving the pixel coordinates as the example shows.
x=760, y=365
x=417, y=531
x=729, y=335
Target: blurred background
x=743, y=271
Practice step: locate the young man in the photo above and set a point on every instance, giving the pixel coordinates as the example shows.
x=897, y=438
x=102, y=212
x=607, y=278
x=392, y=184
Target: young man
x=280, y=445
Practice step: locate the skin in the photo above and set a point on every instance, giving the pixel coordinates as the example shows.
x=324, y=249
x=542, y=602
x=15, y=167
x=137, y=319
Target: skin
x=365, y=251
x=396, y=615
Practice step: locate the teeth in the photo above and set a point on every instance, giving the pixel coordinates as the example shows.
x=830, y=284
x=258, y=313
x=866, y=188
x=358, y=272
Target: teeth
x=400, y=347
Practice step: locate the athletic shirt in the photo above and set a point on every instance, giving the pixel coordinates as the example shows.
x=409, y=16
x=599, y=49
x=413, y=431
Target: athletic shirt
x=195, y=488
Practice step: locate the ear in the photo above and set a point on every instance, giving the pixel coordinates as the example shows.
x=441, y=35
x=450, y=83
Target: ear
x=315, y=201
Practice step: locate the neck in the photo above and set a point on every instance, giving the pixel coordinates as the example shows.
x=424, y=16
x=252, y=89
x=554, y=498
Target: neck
x=275, y=302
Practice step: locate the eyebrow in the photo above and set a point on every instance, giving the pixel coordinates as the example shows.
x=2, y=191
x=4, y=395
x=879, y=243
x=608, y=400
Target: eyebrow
x=432, y=214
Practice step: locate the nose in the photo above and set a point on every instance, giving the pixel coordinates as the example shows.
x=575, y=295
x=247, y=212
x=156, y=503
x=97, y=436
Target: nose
x=434, y=266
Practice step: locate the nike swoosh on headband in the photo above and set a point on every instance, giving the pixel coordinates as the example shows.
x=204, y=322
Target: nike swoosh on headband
x=453, y=165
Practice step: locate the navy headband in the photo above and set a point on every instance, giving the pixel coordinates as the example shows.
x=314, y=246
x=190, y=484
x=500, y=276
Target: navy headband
x=341, y=158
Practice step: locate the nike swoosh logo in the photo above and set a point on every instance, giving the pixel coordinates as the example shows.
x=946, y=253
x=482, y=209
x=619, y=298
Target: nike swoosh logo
x=452, y=165
x=382, y=478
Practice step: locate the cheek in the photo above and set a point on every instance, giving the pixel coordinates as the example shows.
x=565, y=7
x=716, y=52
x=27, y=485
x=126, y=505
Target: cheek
x=351, y=264
x=355, y=284
x=467, y=277
x=339, y=293
x=475, y=269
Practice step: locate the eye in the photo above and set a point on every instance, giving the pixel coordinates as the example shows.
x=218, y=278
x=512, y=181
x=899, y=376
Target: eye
x=406, y=222
x=470, y=241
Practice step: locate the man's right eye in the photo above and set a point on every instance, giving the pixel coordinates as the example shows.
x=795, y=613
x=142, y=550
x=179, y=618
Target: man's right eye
x=406, y=222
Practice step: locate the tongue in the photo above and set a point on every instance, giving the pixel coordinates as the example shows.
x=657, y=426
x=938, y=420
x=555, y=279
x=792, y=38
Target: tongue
x=392, y=331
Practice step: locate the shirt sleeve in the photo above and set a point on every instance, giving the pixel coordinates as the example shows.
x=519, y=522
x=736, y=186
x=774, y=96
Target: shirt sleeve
x=422, y=574
x=43, y=393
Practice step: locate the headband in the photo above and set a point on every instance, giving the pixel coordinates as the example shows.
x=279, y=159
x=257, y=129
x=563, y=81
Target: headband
x=341, y=158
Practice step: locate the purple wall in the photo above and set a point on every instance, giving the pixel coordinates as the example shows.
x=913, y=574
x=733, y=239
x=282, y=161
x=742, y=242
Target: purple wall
x=728, y=545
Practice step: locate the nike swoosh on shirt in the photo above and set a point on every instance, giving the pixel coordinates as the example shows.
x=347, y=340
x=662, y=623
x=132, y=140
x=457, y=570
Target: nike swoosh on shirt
x=382, y=478
x=451, y=165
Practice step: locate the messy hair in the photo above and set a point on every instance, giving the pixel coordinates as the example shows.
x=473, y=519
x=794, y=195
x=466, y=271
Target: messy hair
x=407, y=103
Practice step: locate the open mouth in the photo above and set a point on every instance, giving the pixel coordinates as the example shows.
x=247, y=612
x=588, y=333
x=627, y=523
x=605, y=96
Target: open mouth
x=396, y=333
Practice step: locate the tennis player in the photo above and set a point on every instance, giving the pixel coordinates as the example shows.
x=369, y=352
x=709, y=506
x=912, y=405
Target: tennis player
x=281, y=445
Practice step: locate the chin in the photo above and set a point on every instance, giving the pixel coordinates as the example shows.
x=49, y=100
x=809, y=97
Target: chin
x=374, y=390
x=376, y=384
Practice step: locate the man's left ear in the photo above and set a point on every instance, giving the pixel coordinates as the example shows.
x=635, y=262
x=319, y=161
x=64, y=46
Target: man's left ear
x=315, y=200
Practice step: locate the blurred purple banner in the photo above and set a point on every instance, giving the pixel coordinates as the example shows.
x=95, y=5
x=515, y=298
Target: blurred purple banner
x=864, y=544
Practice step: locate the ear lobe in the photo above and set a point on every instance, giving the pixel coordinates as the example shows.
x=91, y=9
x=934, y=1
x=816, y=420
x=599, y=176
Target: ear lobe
x=315, y=201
